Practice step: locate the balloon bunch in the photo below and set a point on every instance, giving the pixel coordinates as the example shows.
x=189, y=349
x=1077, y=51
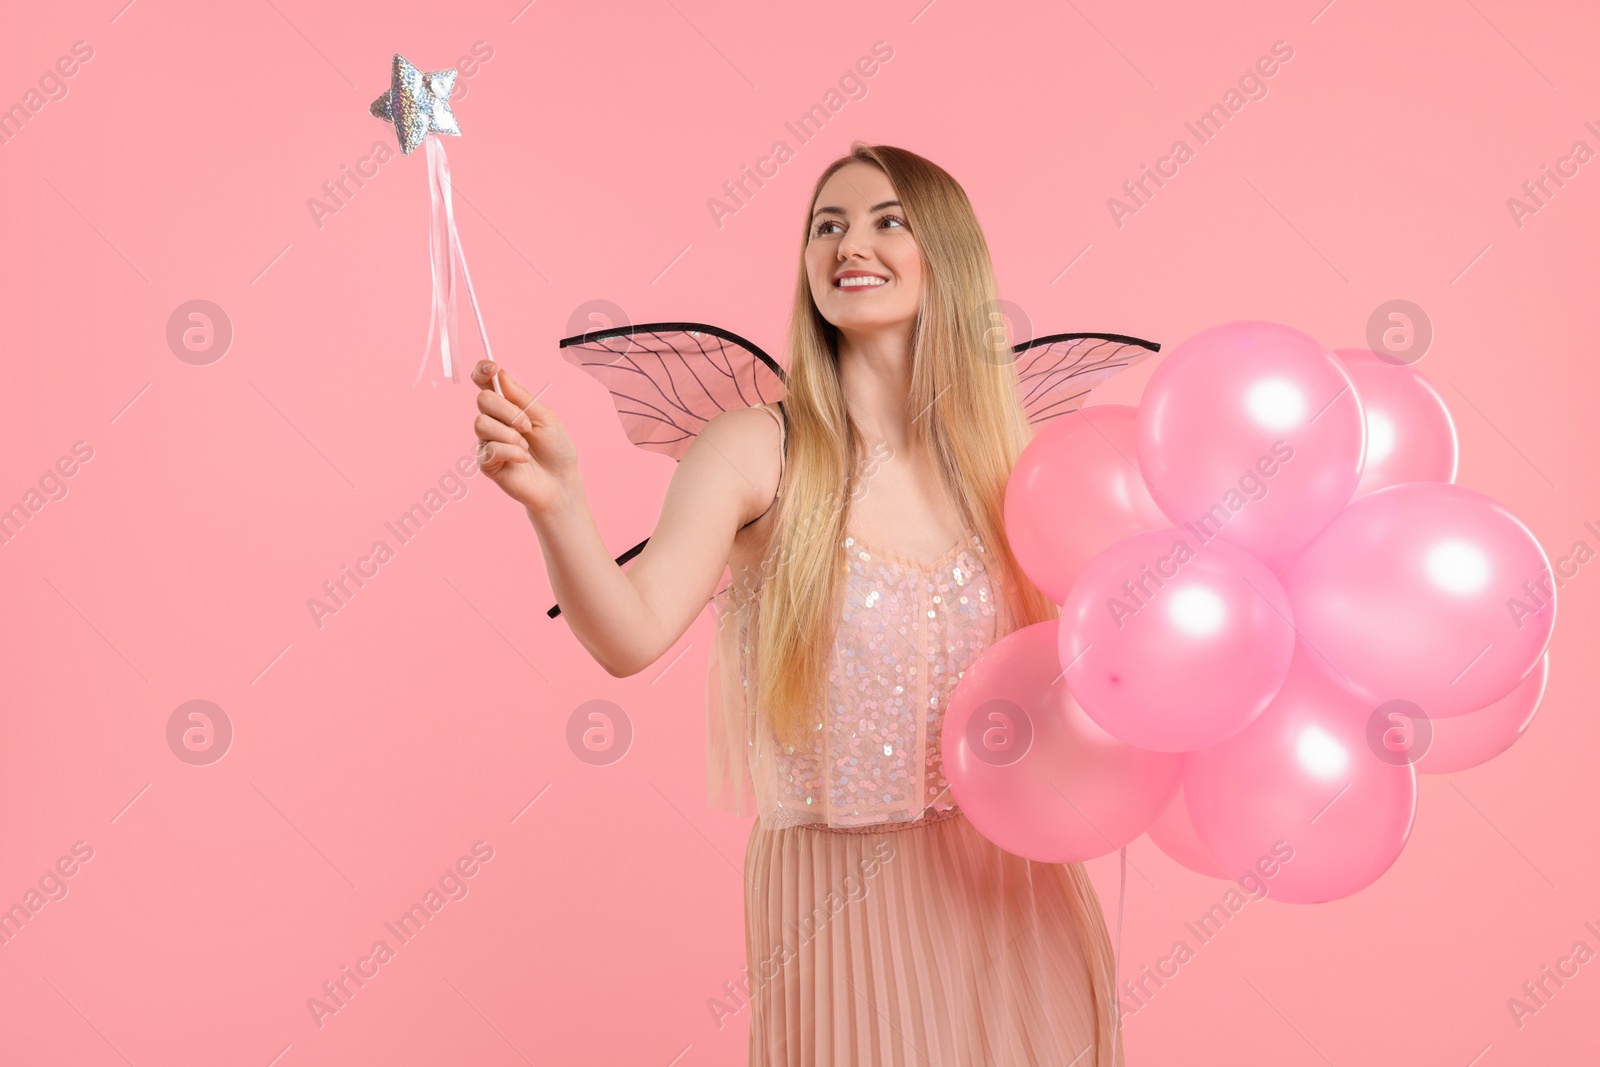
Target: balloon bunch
x=1276, y=608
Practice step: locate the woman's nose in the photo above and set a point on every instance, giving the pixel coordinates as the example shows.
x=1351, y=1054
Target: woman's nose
x=853, y=242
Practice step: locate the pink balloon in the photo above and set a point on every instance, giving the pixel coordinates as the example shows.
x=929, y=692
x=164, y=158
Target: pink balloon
x=1477, y=737
x=1410, y=434
x=1173, y=833
x=1032, y=772
x=1074, y=491
x=1300, y=801
x=1251, y=431
x=1172, y=644
x=1426, y=592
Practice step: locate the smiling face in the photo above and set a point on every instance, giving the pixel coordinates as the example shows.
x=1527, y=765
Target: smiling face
x=859, y=230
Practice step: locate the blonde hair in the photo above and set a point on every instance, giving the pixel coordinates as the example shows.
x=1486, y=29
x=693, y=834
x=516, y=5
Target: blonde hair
x=972, y=422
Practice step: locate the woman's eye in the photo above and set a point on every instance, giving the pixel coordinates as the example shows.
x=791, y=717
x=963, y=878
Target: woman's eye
x=823, y=231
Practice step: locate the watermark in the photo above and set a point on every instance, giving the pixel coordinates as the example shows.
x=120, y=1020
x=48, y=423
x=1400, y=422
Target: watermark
x=998, y=347
x=450, y=886
x=51, y=486
x=599, y=732
x=340, y=190
x=738, y=992
x=1399, y=332
x=1399, y=732
x=51, y=88
x=1151, y=979
x=1537, y=595
x=1537, y=192
x=1252, y=486
x=1251, y=85
x=1537, y=992
x=1539, y=592
x=199, y=332
x=597, y=314
x=1000, y=732
x=467, y=68
x=339, y=591
x=50, y=886
x=199, y=732
x=851, y=86
x=337, y=192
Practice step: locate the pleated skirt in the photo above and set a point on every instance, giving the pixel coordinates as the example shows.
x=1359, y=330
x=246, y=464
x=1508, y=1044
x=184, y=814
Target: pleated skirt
x=924, y=945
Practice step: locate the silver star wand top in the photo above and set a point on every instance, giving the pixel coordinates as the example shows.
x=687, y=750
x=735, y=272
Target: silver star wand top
x=418, y=104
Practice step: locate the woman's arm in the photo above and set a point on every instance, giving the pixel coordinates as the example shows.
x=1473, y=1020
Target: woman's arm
x=627, y=620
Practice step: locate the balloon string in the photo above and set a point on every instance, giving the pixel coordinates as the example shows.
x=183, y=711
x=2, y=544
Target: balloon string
x=1116, y=959
x=444, y=254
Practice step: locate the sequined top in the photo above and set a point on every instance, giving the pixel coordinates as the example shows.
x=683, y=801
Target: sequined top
x=906, y=635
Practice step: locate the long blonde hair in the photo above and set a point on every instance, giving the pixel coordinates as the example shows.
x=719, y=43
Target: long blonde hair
x=973, y=424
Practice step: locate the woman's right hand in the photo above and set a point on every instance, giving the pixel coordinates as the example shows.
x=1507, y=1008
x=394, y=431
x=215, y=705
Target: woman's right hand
x=522, y=446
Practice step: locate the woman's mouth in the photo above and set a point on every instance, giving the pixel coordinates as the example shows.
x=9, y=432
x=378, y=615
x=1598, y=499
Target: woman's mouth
x=859, y=282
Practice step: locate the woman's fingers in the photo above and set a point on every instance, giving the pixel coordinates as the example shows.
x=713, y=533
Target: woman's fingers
x=523, y=447
x=486, y=375
x=517, y=407
x=524, y=400
x=498, y=407
x=512, y=391
x=495, y=456
x=524, y=420
x=489, y=428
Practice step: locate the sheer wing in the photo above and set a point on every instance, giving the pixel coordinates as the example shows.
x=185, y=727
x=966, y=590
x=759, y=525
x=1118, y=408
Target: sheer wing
x=1055, y=373
x=668, y=379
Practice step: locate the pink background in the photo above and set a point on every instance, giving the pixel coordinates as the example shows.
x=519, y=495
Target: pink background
x=373, y=751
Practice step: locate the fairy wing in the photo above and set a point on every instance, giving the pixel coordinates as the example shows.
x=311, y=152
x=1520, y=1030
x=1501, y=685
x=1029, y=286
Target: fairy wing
x=1056, y=372
x=668, y=379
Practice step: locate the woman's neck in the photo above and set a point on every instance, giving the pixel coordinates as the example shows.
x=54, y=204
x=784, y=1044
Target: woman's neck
x=875, y=373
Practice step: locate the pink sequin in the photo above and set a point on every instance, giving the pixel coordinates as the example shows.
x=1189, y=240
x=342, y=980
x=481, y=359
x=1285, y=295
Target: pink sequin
x=906, y=635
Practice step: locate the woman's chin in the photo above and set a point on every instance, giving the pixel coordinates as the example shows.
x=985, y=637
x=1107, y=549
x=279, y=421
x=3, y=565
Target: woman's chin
x=865, y=321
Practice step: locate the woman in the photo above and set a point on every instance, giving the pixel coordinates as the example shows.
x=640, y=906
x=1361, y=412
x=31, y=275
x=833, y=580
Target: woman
x=861, y=520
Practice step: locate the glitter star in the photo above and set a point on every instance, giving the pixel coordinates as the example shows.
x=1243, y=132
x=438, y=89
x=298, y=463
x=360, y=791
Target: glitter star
x=417, y=103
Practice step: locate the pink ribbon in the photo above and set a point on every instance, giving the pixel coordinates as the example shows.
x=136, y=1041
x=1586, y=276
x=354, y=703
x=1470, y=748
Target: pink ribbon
x=445, y=252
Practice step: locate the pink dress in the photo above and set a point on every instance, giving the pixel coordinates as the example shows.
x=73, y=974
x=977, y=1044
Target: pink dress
x=880, y=926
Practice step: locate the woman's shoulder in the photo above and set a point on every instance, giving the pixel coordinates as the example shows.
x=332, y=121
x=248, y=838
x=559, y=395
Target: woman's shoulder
x=757, y=432
x=759, y=426
x=751, y=440
x=742, y=419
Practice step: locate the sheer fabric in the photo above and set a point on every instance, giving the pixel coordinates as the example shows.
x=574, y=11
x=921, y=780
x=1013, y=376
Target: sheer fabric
x=880, y=927
x=906, y=634
x=921, y=945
